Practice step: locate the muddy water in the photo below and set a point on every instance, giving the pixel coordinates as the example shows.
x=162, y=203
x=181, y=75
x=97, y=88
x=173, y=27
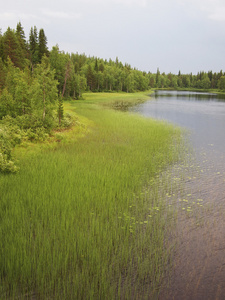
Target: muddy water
x=198, y=263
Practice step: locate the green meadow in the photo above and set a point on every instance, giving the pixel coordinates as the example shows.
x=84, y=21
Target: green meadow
x=86, y=216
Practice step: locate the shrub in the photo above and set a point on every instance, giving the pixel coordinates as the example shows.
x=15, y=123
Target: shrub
x=7, y=141
x=6, y=165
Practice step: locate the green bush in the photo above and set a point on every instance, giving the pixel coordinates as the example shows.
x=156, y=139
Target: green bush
x=7, y=142
x=6, y=165
x=67, y=120
x=37, y=134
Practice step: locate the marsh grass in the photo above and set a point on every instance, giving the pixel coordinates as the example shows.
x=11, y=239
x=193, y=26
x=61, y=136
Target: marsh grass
x=87, y=218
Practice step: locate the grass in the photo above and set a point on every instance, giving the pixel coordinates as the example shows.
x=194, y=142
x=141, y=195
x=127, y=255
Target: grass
x=86, y=218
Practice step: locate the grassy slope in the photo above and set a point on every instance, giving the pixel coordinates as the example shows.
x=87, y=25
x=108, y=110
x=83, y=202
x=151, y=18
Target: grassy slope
x=85, y=218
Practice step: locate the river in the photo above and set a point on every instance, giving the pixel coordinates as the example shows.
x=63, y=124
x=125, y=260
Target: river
x=198, y=263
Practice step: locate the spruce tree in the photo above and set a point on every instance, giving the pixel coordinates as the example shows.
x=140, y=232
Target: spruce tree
x=33, y=46
x=1, y=45
x=22, y=39
x=90, y=78
x=42, y=45
x=12, y=48
x=96, y=65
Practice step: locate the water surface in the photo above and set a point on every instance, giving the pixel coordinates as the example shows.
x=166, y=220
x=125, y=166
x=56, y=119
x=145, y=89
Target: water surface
x=202, y=113
x=198, y=271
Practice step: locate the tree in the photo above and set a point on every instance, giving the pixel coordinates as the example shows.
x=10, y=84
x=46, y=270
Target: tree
x=42, y=45
x=174, y=82
x=205, y=81
x=221, y=83
x=109, y=78
x=1, y=45
x=60, y=109
x=68, y=72
x=58, y=62
x=7, y=106
x=12, y=48
x=90, y=78
x=45, y=90
x=33, y=46
x=16, y=90
x=186, y=81
x=129, y=83
x=78, y=85
x=22, y=39
x=22, y=93
x=2, y=74
x=157, y=76
x=10, y=77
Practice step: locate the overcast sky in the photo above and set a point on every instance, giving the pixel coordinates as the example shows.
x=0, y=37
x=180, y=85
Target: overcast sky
x=172, y=35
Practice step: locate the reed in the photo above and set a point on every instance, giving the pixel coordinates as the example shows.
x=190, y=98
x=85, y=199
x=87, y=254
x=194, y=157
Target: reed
x=87, y=219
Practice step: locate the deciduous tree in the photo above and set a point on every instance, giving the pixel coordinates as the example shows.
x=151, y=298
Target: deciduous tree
x=45, y=90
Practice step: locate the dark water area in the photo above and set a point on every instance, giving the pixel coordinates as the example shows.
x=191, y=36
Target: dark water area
x=198, y=263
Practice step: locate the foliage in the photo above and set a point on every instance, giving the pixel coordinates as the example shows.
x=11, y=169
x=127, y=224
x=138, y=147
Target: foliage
x=32, y=77
x=60, y=110
x=77, y=73
x=45, y=94
x=9, y=137
x=27, y=105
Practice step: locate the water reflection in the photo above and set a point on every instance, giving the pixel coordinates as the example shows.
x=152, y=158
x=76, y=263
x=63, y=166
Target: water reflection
x=187, y=94
x=202, y=113
x=198, y=263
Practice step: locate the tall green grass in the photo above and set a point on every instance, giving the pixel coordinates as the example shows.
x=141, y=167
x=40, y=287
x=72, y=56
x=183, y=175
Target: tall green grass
x=87, y=220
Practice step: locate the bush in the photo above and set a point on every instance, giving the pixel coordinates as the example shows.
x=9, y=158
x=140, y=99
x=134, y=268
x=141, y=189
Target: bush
x=6, y=165
x=37, y=134
x=14, y=131
x=7, y=142
x=67, y=121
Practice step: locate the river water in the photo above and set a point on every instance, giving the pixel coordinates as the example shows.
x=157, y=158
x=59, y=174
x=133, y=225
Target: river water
x=198, y=263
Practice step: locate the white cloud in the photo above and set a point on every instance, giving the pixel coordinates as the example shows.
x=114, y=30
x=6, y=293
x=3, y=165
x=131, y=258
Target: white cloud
x=8, y=16
x=17, y=15
x=142, y=3
x=213, y=9
x=61, y=14
x=218, y=15
x=132, y=2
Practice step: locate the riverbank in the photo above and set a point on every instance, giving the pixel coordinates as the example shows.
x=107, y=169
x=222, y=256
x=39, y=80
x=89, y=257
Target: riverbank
x=214, y=91
x=85, y=217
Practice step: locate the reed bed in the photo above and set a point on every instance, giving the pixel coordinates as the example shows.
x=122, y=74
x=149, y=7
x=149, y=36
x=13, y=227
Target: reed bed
x=87, y=219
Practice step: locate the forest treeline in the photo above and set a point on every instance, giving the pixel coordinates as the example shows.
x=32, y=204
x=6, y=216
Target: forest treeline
x=77, y=73
x=34, y=81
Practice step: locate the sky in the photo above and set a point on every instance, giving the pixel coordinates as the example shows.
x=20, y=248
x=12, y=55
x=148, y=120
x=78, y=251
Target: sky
x=169, y=35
